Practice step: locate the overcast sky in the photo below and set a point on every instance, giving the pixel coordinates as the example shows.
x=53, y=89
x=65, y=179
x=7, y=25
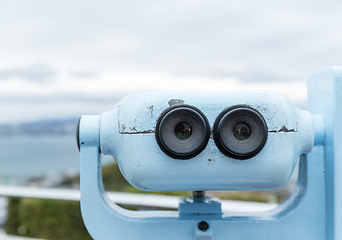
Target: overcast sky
x=61, y=59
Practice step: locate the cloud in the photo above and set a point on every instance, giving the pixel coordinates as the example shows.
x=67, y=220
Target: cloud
x=62, y=98
x=246, y=75
x=38, y=73
x=84, y=74
x=265, y=44
x=295, y=37
x=17, y=108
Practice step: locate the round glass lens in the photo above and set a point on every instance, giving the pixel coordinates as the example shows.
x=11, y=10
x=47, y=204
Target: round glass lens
x=242, y=131
x=183, y=131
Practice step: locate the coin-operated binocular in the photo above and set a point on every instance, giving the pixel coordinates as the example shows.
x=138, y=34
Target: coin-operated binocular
x=168, y=141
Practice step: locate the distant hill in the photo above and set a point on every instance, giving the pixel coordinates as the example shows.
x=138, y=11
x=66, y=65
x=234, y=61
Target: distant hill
x=43, y=127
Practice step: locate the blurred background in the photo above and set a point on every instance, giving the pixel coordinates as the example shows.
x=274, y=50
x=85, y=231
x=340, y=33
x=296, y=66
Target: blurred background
x=62, y=59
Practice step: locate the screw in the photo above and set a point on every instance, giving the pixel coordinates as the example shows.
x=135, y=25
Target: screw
x=198, y=194
x=203, y=226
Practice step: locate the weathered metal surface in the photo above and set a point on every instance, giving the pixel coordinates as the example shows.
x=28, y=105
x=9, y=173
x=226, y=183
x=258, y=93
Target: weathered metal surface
x=127, y=133
x=313, y=211
x=325, y=99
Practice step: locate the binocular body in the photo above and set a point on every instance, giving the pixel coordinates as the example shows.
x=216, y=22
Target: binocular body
x=168, y=141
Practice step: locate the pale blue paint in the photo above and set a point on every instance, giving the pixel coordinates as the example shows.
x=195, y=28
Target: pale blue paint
x=313, y=211
x=325, y=98
x=127, y=133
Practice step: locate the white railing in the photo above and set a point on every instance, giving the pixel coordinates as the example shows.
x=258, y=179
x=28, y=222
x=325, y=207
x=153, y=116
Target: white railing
x=138, y=199
x=145, y=200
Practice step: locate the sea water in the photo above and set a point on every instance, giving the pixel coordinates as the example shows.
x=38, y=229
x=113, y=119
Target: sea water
x=35, y=156
x=25, y=157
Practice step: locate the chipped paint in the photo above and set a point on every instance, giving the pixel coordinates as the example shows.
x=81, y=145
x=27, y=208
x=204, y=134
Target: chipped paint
x=211, y=162
x=136, y=132
x=174, y=102
x=211, y=136
x=151, y=109
x=283, y=129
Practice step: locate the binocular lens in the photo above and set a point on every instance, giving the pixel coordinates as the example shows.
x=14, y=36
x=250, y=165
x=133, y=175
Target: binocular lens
x=240, y=132
x=182, y=131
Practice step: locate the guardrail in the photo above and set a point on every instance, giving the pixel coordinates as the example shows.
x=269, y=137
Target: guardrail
x=145, y=200
x=138, y=199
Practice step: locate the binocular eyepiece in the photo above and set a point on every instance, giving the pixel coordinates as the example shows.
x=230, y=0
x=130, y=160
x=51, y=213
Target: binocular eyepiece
x=183, y=131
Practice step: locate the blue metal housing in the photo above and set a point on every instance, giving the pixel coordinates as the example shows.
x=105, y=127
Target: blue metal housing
x=313, y=211
x=128, y=133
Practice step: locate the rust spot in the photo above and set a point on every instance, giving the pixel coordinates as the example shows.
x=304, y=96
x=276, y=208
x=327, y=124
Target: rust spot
x=151, y=109
x=211, y=162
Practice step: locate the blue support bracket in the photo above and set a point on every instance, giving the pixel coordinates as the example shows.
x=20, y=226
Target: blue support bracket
x=199, y=206
x=325, y=99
